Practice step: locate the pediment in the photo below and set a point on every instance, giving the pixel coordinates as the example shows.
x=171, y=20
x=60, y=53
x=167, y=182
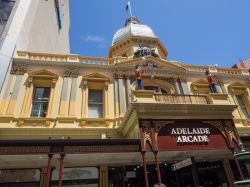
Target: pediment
x=200, y=82
x=238, y=84
x=43, y=73
x=152, y=62
x=95, y=76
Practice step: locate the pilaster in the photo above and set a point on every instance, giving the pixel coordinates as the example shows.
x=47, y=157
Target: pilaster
x=85, y=92
x=103, y=176
x=106, y=100
x=51, y=100
x=28, y=98
x=228, y=171
x=185, y=87
x=176, y=86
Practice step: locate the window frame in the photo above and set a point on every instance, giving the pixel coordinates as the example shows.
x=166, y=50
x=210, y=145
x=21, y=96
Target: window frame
x=40, y=101
x=96, y=103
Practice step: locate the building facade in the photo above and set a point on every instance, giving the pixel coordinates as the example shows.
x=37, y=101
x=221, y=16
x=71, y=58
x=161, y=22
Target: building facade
x=20, y=29
x=243, y=65
x=73, y=120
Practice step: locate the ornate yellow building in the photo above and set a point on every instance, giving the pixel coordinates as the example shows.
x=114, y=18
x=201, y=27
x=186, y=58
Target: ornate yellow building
x=80, y=120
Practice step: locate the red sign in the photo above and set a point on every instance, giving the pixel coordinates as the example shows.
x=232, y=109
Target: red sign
x=190, y=135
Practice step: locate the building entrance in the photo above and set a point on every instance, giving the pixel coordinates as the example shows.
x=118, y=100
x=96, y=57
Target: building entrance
x=210, y=174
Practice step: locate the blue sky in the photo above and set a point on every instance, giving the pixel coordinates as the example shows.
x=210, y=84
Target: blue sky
x=201, y=32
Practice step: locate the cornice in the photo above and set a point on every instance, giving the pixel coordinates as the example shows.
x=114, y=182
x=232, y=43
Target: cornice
x=56, y=132
x=187, y=111
x=23, y=60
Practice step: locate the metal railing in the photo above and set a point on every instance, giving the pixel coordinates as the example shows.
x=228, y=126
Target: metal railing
x=181, y=99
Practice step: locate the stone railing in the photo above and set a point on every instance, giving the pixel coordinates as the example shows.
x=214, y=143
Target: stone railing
x=149, y=96
x=64, y=58
x=181, y=99
x=96, y=60
x=215, y=69
x=194, y=68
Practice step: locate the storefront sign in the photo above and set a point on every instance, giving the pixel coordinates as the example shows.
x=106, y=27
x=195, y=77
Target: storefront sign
x=130, y=174
x=190, y=135
x=182, y=164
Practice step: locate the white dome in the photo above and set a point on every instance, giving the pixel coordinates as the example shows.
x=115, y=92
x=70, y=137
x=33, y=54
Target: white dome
x=133, y=29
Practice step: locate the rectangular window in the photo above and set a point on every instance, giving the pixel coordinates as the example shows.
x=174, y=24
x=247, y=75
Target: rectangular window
x=40, y=102
x=242, y=106
x=95, y=103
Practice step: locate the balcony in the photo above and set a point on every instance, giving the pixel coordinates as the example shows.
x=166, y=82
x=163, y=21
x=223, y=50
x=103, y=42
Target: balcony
x=150, y=96
x=181, y=99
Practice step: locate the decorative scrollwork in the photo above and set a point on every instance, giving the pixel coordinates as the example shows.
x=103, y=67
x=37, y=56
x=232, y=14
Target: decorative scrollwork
x=233, y=135
x=72, y=72
x=146, y=131
x=231, y=132
x=160, y=124
x=18, y=69
x=119, y=74
x=218, y=125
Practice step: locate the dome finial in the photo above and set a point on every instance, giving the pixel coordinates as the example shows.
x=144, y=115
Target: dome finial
x=133, y=20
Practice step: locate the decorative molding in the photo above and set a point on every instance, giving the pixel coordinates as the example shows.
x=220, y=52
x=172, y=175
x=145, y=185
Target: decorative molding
x=24, y=149
x=146, y=131
x=33, y=122
x=218, y=125
x=231, y=132
x=106, y=85
x=182, y=79
x=71, y=72
x=85, y=84
x=120, y=74
x=101, y=148
x=160, y=124
x=18, y=69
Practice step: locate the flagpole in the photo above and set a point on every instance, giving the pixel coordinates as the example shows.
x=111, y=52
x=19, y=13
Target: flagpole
x=130, y=11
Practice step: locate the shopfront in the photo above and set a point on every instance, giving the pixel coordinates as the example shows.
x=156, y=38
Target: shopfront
x=210, y=143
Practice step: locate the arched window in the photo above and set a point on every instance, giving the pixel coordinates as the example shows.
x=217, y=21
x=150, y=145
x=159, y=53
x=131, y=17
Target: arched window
x=157, y=85
x=156, y=89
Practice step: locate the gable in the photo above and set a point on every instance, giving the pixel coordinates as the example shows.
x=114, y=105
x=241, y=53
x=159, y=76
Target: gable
x=152, y=62
x=43, y=74
x=95, y=76
x=238, y=84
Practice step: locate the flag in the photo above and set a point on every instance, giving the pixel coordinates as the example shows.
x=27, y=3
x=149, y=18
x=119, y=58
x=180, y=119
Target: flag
x=127, y=6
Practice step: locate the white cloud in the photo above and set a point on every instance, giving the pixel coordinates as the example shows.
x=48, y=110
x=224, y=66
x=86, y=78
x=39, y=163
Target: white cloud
x=96, y=39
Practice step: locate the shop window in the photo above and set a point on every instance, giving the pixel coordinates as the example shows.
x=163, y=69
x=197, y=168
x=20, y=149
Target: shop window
x=19, y=177
x=95, y=103
x=40, y=102
x=84, y=177
x=242, y=106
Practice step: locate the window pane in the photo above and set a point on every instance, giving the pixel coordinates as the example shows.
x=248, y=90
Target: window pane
x=40, y=102
x=39, y=109
x=156, y=89
x=95, y=103
x=41, y=93
x=95, y=96
x=242, y=106
x=95, y=110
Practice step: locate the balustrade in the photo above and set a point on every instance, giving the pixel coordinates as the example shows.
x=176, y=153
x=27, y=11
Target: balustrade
x=181, y=99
